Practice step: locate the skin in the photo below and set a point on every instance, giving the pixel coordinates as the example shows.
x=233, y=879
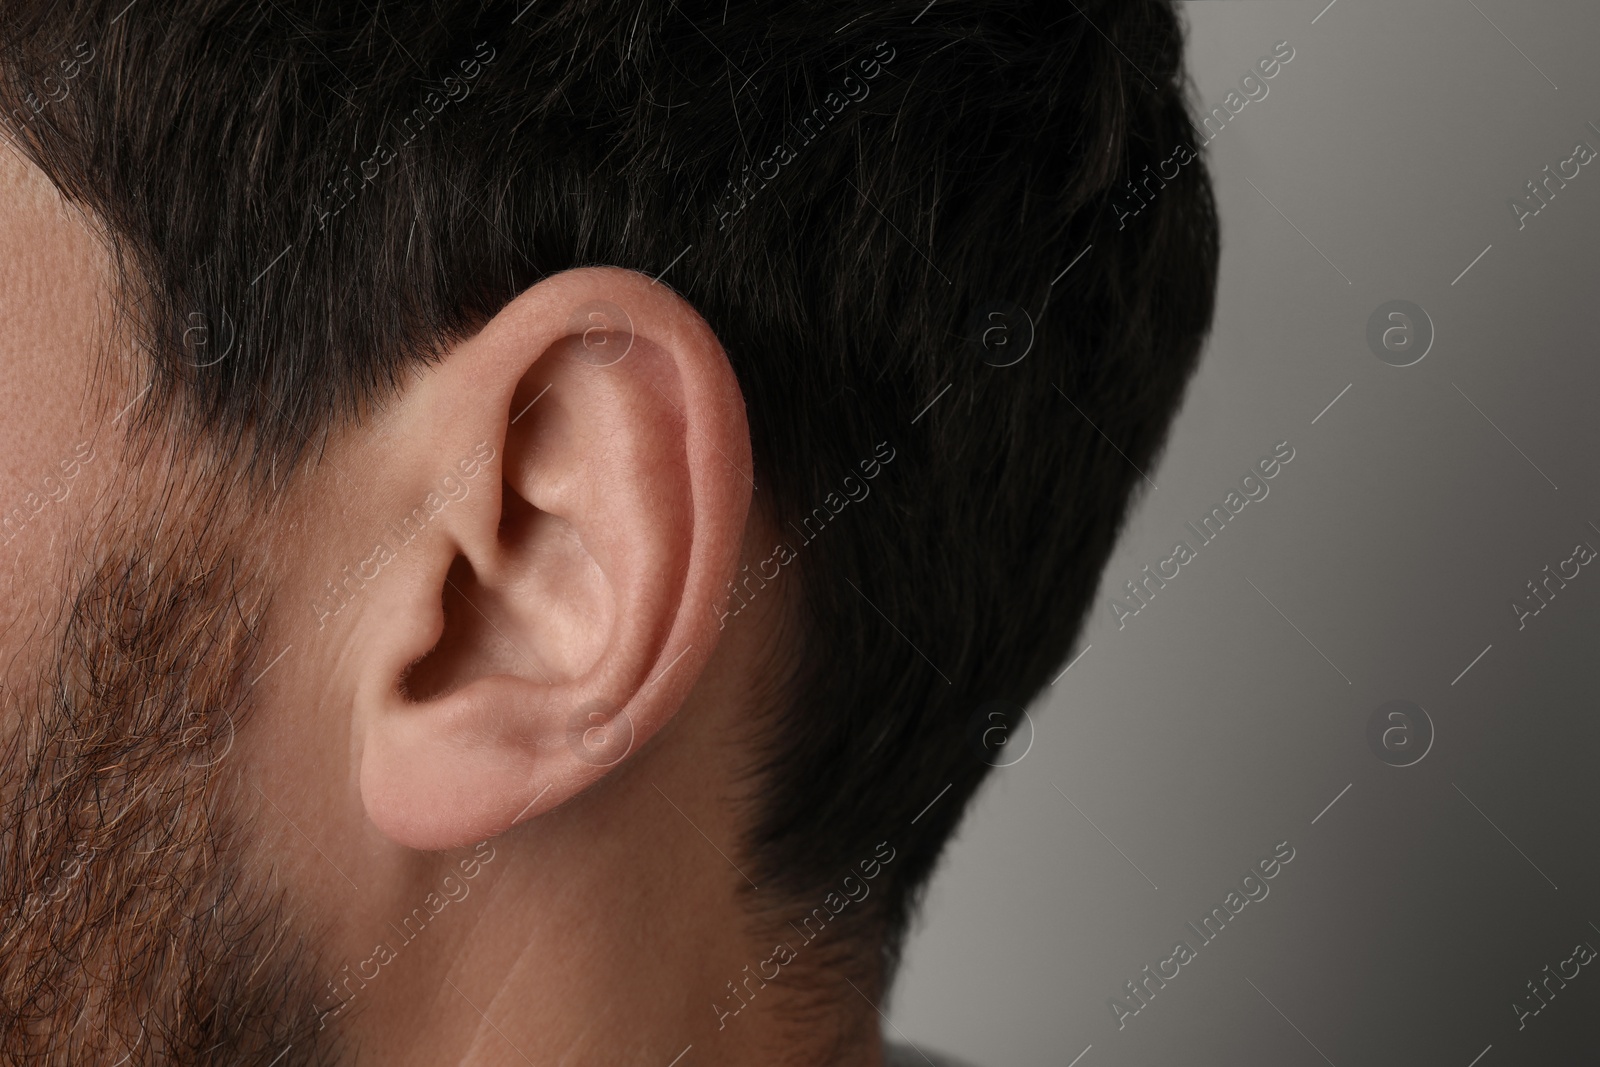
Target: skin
x=438, y=722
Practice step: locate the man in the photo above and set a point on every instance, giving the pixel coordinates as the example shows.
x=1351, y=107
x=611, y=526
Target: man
x=528, y=523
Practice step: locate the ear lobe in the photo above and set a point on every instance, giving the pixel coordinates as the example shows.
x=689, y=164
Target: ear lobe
x=551, y=628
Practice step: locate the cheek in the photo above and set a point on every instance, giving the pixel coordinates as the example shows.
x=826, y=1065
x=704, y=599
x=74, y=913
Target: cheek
x=54, y=284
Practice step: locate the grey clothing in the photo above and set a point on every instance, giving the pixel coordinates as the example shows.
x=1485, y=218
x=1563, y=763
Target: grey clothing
x=896, y=1055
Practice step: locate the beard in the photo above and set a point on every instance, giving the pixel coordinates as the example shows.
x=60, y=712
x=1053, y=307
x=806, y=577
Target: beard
x=135, y=926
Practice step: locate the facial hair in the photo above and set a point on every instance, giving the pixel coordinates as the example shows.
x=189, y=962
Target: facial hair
x=135, y=926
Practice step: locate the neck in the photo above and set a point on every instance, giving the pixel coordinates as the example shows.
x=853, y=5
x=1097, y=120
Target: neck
x=613, y=930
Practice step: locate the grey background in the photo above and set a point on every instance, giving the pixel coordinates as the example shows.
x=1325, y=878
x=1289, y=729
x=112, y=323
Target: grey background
x=1216, y=724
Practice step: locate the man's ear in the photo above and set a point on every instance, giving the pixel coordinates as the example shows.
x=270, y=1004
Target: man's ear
x=572, y=486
